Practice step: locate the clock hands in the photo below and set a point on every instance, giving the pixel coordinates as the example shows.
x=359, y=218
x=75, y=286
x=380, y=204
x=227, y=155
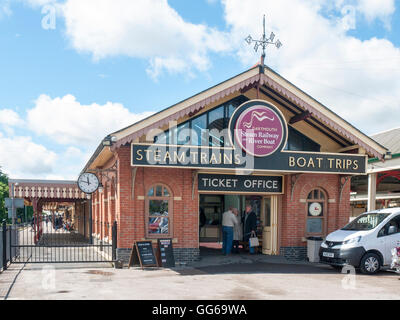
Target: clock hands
x=91, y=182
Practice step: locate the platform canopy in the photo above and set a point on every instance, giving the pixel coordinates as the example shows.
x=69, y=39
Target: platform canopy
x=50, y=190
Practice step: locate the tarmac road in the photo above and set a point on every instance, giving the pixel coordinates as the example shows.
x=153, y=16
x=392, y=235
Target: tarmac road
x=221, y=279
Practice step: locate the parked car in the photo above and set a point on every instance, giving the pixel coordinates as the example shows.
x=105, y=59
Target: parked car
x=365, y=243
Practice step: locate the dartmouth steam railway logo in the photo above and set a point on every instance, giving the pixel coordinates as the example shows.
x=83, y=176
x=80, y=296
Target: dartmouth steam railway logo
x=258, y=128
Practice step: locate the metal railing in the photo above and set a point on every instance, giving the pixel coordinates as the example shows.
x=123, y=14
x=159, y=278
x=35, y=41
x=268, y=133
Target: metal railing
x=8, y=239
x=22, y=243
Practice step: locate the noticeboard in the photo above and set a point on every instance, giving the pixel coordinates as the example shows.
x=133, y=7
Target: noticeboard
x=18, y=202
x=142, y=253
x=166, y=253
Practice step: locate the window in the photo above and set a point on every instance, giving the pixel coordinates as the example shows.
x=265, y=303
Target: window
x=316, y=213
x=215, y=120
x=393, y=225
x=367, y=221
x=158, y=212
x=199, y=126
x=216, y=123
x=299, y=142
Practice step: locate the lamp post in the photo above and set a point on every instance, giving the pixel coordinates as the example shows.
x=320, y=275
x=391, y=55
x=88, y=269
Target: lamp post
x=89, y=196
x=13, y=214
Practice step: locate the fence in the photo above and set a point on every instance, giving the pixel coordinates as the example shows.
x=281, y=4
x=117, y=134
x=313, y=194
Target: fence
x=46, y=242
x=8, y=240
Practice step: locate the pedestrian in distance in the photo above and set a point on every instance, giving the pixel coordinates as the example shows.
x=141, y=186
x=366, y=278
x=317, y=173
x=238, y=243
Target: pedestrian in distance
x=237, y=232
x=250, y=226
x=229, y=220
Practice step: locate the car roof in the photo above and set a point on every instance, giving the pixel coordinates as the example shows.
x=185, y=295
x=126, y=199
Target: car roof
x=385, y=210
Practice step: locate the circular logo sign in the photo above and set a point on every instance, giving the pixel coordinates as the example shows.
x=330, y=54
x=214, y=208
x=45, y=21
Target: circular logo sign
x=315, y=209
x=259, y=128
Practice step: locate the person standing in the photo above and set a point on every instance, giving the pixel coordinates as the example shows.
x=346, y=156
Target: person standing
x=202, y=219
x=250, y=225
x=228, y=222
x=237, y=232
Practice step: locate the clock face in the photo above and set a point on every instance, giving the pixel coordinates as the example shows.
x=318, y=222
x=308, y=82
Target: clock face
x=315, y=209
x=88, y=182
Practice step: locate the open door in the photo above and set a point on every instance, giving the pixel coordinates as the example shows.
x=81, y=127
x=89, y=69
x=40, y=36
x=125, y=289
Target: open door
x=267, y=230
x=270, y=222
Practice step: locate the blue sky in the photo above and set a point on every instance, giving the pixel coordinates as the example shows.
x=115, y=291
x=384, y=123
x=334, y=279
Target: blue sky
x=106, y=64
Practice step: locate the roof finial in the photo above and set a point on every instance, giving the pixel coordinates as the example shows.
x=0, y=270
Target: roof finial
x=263, y=43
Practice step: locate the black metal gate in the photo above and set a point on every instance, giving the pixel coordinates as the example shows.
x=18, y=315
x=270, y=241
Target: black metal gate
x=50, y=242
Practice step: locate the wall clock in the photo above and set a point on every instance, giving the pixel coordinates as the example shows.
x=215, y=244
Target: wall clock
x=88, y=182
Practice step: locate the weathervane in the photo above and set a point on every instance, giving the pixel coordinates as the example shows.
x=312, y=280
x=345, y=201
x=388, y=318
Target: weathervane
x=264, y=42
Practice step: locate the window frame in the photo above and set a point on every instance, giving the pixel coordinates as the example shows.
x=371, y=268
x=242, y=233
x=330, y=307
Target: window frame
x=324, y=202
x=147, y=215
x=385, y=228
x=235, y=102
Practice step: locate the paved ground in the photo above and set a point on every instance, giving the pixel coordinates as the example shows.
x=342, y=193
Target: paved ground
x=214, y=277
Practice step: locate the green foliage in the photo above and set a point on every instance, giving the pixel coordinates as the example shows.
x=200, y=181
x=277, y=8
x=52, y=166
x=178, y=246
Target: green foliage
x=3, y=194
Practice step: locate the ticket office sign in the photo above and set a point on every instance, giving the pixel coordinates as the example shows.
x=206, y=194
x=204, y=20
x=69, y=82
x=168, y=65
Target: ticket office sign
x=240, y=184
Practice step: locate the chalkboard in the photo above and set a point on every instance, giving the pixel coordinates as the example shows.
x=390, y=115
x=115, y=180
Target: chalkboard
x=166, y=253
x=143, y=252
x=134, y=259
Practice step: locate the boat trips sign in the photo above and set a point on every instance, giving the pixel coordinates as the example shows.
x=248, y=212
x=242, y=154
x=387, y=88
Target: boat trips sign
x=255, y=140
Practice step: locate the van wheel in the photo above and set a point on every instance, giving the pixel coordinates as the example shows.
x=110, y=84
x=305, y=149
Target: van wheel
x=370, y=263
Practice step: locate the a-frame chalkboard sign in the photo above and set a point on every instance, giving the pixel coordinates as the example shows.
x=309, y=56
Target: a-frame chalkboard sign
x=142, y=253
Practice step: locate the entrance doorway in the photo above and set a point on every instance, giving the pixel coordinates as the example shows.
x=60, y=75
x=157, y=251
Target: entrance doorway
x=212, y=207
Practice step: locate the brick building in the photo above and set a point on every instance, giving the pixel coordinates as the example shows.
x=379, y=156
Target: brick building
x=253, y=139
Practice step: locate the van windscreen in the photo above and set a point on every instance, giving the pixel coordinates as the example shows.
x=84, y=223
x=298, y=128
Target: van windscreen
x=366, y=221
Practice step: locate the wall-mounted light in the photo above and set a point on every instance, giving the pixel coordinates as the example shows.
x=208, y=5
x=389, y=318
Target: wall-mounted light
x=106, y=142
x=100, y=188
x=388, y=156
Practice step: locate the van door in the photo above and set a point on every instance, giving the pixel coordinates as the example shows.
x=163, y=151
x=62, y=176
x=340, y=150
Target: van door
x=390, y=234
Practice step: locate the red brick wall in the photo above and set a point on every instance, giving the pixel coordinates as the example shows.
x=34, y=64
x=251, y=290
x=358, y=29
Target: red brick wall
x=131, y=212
x=294, y=211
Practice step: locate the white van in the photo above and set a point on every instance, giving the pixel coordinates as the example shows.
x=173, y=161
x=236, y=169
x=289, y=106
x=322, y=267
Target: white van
x=365, y=243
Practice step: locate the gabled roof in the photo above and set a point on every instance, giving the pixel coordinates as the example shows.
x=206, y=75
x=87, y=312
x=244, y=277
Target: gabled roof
x=263, y=77
x=390, y=139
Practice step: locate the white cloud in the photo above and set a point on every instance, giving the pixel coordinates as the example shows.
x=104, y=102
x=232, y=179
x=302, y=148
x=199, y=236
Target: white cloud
x=357, y=79
x=22, y=158
x=371, y=10
x=5, y=9
x=10, y=118
x=148, y=29
x=377, y=9
x=67, y=121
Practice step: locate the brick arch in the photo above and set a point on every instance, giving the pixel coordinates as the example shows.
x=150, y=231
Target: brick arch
x=163, y=176
x=308, y=187
x=159, y=183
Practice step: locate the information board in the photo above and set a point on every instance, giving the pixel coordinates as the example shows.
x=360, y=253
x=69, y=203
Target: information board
x=143, y=253
x=166, y=253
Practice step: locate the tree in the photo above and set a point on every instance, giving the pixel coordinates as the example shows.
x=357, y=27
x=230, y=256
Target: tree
x=3, y=194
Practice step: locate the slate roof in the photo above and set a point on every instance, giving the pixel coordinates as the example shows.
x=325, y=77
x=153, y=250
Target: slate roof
x=389, y=139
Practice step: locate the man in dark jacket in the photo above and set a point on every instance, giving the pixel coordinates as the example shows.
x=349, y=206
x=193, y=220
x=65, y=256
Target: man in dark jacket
x=250, y=225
